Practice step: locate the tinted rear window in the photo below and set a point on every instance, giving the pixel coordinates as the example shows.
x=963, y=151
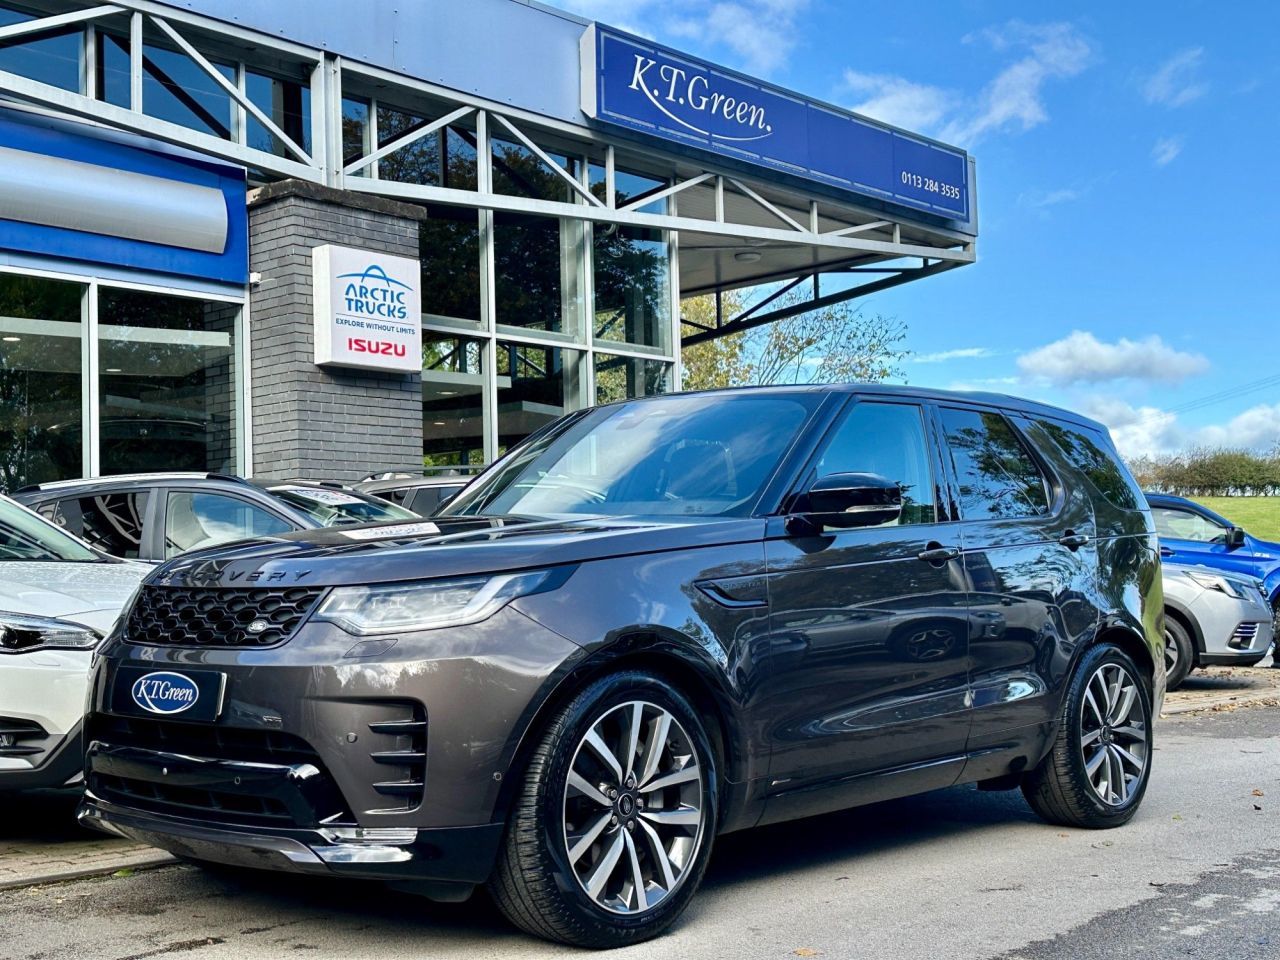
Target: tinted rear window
x=1093, y=455
x=997, y=475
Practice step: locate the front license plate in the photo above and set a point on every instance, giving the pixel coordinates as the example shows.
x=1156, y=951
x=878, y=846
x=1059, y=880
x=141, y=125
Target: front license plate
x=190, y=695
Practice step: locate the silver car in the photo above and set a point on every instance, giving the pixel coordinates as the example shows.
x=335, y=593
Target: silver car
x=1212, y=618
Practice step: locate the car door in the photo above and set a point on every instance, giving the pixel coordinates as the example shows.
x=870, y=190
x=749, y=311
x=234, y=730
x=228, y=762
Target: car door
x=192, y=519
x=1030, y=559
x=1189, y=537
x=867, y=669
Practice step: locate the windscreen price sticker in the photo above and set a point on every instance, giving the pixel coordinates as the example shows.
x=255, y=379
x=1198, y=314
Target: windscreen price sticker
x=929, y=185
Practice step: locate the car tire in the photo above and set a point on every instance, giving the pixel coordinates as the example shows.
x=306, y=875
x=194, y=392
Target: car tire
x=1179, y=653
x=1097, y=771
x=571, y=858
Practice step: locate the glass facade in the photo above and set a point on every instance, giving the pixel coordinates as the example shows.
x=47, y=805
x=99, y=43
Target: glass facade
x=163, y=393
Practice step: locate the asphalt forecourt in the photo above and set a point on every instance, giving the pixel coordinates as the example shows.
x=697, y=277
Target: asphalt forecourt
x=952, y=874
x=40, y=843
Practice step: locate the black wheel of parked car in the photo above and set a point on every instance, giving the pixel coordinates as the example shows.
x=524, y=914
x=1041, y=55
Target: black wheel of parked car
x=613, y=825
x=1179, y=654
x=1097, y=772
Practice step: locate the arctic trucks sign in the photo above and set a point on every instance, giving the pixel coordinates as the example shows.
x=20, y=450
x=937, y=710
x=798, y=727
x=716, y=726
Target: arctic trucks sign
x=368, y=309
x=637, y=84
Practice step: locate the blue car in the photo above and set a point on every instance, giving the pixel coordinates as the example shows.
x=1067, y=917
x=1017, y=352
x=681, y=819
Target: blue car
x=1192, y=534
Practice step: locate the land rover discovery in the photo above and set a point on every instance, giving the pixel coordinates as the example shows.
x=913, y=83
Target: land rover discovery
x=649, y=624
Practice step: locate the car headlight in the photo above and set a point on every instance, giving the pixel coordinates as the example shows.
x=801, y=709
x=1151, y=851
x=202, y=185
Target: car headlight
x=424, y=605
x=1211, y=581
x=20, y=633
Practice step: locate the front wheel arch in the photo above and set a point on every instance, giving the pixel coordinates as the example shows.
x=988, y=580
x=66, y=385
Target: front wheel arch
x=649, y=653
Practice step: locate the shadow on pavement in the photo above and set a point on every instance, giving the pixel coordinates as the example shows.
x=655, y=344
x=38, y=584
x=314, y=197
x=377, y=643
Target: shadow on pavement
x=44, y=816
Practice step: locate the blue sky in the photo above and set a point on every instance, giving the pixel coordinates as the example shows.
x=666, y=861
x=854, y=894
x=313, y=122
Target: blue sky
x=1128, y=190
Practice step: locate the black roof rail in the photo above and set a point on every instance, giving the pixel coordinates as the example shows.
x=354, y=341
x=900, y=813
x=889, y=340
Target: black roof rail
x=230, y=477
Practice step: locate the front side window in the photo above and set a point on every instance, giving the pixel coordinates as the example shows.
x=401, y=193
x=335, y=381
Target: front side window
x=112, y=522
x=681, y=455
x=887, y=439
x=998, y=477
x=1174, y=524
x=25, y=536
x=196, y=520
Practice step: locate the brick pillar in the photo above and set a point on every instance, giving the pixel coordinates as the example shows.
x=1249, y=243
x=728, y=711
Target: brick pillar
x=308, y=421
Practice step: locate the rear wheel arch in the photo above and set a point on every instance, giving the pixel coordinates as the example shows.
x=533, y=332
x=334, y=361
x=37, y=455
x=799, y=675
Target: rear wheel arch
x=1132, y=644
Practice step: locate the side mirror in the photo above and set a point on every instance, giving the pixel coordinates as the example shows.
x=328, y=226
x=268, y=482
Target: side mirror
x=1235, y=538
x=852, y=500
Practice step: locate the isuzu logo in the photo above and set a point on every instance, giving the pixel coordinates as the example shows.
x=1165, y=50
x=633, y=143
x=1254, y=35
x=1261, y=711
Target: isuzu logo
x=165, y=693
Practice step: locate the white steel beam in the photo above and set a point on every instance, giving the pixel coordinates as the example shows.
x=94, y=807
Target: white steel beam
x=121, y=118
x=541, y=154
x=230, y=88
x=468, y=198
x=401, y=142
x=42, y=24
x=780, y=214
x=670, y=191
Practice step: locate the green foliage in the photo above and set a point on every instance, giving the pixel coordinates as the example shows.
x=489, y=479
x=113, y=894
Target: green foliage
x=1210, y=473
x=835, y=344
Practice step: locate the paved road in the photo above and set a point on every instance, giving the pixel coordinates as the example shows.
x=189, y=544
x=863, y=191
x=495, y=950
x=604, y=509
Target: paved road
x=954, y=874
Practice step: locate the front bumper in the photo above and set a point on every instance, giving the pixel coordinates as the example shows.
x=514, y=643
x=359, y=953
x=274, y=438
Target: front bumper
x=329, y=754
x=61, y=767
x=458, y=855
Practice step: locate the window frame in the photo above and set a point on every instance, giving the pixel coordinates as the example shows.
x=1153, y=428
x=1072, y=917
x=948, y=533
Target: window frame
x=823, y=434
x=144, y=516
x=160, y=518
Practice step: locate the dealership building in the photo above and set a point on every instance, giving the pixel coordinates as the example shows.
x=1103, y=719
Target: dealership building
x=317, y=239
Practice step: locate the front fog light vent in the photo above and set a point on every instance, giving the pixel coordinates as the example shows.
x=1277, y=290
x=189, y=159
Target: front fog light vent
x=403, y=750
x=20, y=738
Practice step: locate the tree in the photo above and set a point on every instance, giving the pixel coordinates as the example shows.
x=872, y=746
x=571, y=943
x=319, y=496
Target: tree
x=832, y=344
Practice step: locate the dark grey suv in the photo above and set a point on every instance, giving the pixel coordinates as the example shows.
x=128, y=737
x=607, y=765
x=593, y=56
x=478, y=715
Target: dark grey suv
x=651, y=623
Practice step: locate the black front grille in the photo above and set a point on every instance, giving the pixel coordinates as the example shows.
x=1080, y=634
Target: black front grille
x=219, y=617
x=240, y=808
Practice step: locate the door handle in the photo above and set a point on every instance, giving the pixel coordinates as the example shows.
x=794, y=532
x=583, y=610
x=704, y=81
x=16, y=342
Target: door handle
x=1166, y=552
x=936, y=554
x=1072, y=540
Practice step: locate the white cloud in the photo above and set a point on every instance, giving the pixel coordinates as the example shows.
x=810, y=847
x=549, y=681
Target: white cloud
x=961, y=353
x=1151, y=431
x=1166, y=150
x=1013, y=99
x=914, y=106
x=1177, y=81
x=1083, y=358
x=760, y=34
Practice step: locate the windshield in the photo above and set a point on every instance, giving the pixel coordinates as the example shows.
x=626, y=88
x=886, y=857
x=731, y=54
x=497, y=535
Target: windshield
x=332, y=508
x=707, y=455
x=25, y=536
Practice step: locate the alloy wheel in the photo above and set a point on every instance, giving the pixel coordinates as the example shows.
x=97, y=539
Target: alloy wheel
x=1113, y=734
x=634, y=815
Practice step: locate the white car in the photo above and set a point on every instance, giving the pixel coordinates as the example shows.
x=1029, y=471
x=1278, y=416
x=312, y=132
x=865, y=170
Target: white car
x=58, y=598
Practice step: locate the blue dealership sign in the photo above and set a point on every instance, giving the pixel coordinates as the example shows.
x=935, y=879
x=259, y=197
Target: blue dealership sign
x=642, y=86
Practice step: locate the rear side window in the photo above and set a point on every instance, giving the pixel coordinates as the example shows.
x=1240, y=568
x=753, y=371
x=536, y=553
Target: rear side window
x=998, y=477
x=112, y=522
x=1091, y=453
